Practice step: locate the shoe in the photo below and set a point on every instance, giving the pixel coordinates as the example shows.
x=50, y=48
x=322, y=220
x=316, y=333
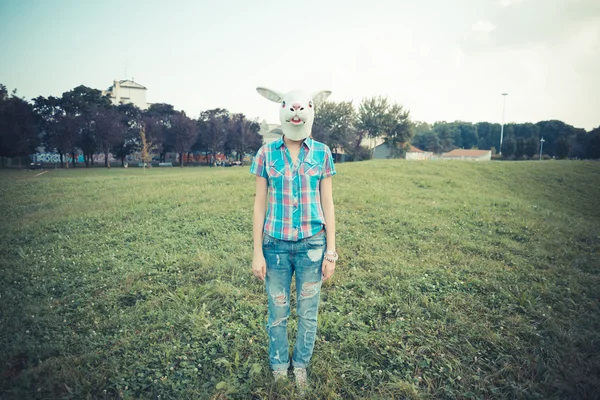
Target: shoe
x=301, y=380
x=280, y=374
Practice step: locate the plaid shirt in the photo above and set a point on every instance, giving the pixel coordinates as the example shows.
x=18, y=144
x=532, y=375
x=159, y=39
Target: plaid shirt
x=294, y=210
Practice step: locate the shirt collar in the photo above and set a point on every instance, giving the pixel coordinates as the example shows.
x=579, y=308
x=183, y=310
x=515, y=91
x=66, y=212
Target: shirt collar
x=308, y=142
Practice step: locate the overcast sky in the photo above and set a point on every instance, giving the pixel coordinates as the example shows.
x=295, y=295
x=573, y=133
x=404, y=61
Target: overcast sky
x=443, y=60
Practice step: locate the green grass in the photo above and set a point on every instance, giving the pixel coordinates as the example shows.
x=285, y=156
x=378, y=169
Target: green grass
x=456, y=280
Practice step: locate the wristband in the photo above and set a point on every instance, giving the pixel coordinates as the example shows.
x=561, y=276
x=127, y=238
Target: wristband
x=331, y=256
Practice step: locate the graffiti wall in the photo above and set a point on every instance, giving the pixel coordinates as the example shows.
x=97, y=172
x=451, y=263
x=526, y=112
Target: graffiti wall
x=200, y=158
x=55, y=158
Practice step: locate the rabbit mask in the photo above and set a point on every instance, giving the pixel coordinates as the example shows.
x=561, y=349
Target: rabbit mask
x=297, y=110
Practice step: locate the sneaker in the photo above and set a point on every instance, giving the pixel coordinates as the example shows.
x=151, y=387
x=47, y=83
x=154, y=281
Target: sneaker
x=301, y=381
x=280, y=374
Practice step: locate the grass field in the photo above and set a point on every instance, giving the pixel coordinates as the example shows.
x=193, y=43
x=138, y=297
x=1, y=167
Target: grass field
x=456, y=280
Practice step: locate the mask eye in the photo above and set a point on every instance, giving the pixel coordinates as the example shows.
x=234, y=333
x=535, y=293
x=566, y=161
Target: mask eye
x=283, y=104
x=310, y=104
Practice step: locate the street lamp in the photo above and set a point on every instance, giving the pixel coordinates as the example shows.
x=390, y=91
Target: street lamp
x=541, y=147
x=502, y=128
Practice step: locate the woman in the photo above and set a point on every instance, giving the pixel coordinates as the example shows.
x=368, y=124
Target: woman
x=294, y=229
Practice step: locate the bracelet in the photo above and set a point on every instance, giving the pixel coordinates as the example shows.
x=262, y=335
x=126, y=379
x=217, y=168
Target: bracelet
x=331, y=256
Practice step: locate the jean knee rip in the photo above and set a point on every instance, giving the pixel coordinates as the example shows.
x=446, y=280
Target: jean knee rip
x=279, y=299
x=309, y=289
x=279, y=321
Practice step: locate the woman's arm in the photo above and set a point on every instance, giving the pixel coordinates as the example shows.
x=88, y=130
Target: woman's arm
x=326, y=189
x=259, y=267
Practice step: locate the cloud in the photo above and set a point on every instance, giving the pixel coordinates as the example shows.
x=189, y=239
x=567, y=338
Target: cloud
x=483, y=26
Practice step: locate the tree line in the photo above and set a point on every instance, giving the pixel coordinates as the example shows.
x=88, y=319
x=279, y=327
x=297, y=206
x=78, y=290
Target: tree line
x=342, y=127
x=520, y=141
x=82, y=120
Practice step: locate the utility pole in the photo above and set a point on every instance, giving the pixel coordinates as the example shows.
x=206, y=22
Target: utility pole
x=502, y=128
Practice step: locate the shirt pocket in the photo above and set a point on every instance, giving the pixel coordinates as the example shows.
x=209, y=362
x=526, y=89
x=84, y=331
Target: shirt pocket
x=276, y=172
x=311, y=174
x=311, y=168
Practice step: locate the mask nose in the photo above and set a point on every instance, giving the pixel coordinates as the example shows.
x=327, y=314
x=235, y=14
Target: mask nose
x=296, y=106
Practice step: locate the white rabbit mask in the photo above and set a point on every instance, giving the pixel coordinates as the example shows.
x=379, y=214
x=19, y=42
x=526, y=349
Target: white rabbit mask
x=296, y=110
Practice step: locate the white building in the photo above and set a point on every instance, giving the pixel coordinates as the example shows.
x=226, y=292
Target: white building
x=270, y=132
x=417, y=154
x=468, y=155
x=127, y=91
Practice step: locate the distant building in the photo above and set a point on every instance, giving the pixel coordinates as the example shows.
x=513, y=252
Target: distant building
x=417, y=154
x=468, y=155
x=127, y=92
x=382, y=151
x=270, y=132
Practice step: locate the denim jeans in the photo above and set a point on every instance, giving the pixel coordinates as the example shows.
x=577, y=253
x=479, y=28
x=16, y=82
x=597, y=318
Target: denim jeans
x=284, y=258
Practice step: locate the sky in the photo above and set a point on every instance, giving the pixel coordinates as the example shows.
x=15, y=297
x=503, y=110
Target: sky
x=442, y=60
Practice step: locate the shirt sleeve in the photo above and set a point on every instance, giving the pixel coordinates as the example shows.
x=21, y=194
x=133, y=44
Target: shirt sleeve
x=328, y=167
x=258, y=164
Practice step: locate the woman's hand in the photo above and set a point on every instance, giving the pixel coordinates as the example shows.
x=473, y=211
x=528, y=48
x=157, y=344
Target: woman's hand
x=259, y=266
x=328, y=269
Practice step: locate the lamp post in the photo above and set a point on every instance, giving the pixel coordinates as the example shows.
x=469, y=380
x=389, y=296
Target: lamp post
x=541, y=147
x=502, y=128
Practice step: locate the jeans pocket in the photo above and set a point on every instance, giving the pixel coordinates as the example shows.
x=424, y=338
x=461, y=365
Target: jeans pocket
x=317, y=241
x=268, y=241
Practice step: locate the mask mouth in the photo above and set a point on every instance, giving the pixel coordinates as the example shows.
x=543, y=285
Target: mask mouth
x=295, y=121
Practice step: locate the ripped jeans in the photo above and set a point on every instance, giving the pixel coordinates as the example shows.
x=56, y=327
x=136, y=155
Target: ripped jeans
x=284, y=258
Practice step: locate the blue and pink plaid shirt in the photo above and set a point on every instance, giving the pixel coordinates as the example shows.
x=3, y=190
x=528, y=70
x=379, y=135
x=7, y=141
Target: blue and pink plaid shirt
x=294, y=209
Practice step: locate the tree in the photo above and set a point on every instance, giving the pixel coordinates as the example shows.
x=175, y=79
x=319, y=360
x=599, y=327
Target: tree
x=108, y=129
x=158, y=132
x=243, y=136
x=80, y=100
x=399, y=132
x=468, y=134
x=131, y=119
x=562, y=147
x=49, y=113
x=67, y=121
x=532, y=147
x=509, y=147
x=62, y=136
x=335, y=125
x=371, y=121
x=420, y=128
x=446, y=133
x=378, y=118
x=424, y=137
x=428, y=141
x=183, y=133
x=212, y=127
x=551, y=131
x=19, y=128
x=526, y=130
x=154, y=132
x=87, y=144
x=488, y=135
x=593, y=145
x=519, y=147
x=145, y=147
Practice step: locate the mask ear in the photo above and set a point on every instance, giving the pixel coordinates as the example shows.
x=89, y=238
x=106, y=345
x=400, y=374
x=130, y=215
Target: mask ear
x=321, y=96
x=270, y=94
